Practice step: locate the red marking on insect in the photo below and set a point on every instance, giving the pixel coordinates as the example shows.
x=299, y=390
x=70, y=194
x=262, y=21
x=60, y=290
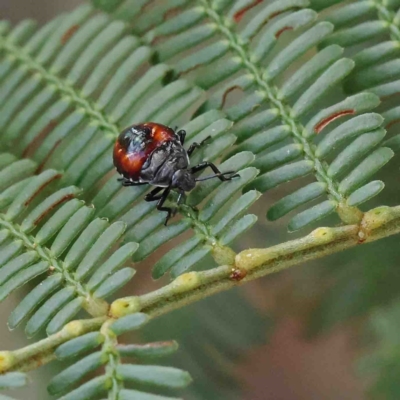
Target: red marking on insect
x=237, y=274
x=286, y=28
x=391, y=123
x=240, y=14
x=326, y=121
x=69, y=33
x=53, y=178
x=54, y=205
x=129, y=162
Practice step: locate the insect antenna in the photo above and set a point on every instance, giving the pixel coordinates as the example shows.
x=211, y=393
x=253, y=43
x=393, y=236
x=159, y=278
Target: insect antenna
x=206, y=178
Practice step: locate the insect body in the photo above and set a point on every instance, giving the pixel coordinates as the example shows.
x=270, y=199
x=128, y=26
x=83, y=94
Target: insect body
x=152, y=153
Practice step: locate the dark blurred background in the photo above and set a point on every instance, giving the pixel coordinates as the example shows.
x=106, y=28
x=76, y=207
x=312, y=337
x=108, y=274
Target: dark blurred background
x=39, y=10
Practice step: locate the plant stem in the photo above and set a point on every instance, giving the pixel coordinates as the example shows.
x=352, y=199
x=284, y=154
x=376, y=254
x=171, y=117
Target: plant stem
x=192, y=286
x=41, y=352
x=260, y=262
x=109, y=347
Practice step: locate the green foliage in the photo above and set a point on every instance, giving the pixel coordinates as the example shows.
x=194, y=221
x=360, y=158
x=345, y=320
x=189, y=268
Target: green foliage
x=61, y=109
x=279, y=123
x=82, y=109
x=118, y=376
x=69, y=243
x=370, y=30
x=68, y=88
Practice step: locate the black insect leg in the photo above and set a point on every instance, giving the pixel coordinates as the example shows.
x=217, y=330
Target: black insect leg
x=171, y=212
x=127, y=182
x=192, y=148
x=153, y=195
x=223, y=176
x=196, y=145
x=182, y=135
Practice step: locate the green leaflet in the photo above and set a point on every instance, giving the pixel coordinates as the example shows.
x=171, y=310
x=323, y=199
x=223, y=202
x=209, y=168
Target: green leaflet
x=12, y=380
x=365, y=192
x=128, y=323
x=312, y=214
x=149, y=350
x=36, y=296
x=62, y=382
x=153, y=375
x=295, y=199
x=114, y=282
x=95, y=387
x=365, y=169
x=78, y=345
x=66, y=313
x=127, y=394
x=47, y=311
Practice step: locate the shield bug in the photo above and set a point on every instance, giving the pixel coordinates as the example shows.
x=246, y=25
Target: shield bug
x=153, y=154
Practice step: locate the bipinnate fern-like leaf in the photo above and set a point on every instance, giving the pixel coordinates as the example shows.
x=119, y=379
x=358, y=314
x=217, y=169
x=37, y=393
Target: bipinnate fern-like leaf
x=54, y=232
x=375, y=25
x=288, y=117
x=67, y=90
x=76, y=111
x=118, y=376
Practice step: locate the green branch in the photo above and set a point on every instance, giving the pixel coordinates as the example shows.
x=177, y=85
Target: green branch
x=254, y=263
x=193, y=286
x=109, y=347
x=41, y=352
